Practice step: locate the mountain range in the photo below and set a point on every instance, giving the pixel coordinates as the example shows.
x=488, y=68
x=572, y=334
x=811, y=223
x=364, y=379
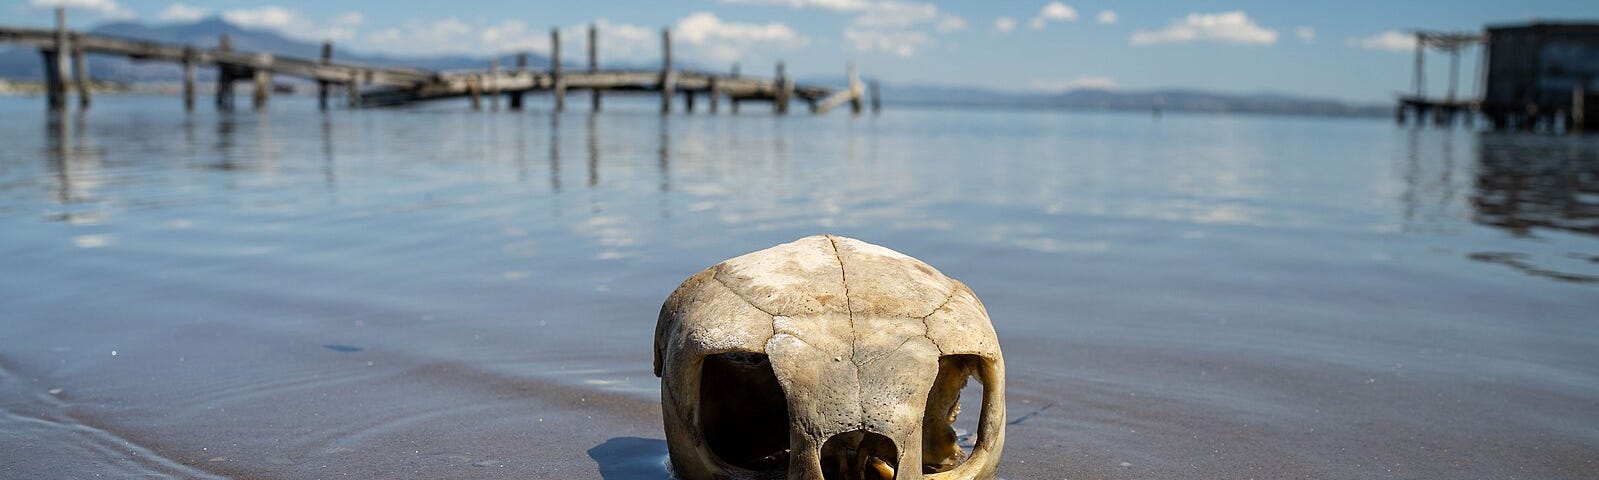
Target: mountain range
x=23, y=63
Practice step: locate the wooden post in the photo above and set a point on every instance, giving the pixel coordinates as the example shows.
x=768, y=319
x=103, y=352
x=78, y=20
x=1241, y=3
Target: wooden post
x=668, y=76
x=715, y=93
x=494, y=89
x=1454, y=72
x=1579, y=107
x=785, y=88
x=353, y=96
x=521, y=70
x=224, y=77
x=55, y=64
x=188, y=79
x=732, y=102
x=263, y=80
x=555, y=70
x=855, y=90
x=594, y=64
x=80, y=73
x=322, y=85
x=1420, y=77
x=877, y=98
x=474, y=88
x=688, y=101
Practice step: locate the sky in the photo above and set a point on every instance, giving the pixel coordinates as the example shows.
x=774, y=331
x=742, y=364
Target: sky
x=1353, y=50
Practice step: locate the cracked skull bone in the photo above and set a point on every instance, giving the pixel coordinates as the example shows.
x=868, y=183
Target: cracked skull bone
x=826, y=358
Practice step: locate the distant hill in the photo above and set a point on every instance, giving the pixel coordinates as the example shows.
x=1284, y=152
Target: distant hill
x=23, y=63
x=1171, y=100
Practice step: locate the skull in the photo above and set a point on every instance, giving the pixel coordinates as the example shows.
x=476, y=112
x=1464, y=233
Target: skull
x=826, y=358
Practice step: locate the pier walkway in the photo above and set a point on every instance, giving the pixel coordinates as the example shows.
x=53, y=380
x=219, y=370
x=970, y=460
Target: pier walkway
x=63, y=53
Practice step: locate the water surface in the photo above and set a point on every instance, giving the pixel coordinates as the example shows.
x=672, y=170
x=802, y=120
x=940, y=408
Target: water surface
x=438, y=293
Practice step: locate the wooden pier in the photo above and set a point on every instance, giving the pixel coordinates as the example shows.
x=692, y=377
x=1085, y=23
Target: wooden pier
x=1441, y=111
x=377, y=86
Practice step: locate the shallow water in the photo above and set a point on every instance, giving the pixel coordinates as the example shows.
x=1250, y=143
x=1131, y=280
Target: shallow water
x=437, y=293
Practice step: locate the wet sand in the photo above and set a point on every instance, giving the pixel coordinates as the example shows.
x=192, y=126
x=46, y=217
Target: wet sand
x=370, y=295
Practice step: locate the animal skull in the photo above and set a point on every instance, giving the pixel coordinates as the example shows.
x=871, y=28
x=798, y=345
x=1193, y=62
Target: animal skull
x=826, y=358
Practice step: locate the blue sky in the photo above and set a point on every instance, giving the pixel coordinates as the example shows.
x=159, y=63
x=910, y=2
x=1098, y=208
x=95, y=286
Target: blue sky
x=1350, y=50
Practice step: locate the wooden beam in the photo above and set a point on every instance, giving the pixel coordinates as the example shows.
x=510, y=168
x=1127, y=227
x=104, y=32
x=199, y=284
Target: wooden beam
x=668, y=75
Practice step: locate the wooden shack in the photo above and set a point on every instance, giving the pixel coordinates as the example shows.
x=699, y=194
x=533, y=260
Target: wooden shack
x=1542, y=75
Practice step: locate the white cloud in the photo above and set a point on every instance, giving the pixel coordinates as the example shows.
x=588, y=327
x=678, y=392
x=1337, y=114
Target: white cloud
x=618, y=41
x=1227, y=27
x=447, y=35
x=105, y=8
x=833, y=5
x=1305, y=34
x=1079, y=83
x=1106, y=17
x=1004, y=24
x=179, y=12
x=1054, y=11
x=893, y=26
x=1390, y=41
x=719, y=40
x=349, y=18
x=903, y=43
x=950, y=24
x=293, y=24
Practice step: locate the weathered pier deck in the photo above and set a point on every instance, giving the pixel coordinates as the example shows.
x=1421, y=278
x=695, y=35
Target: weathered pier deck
x=380, y=86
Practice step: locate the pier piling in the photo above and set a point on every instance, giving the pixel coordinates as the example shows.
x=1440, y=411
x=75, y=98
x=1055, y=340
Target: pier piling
x=188, y=79
x=322, y=85
x=354, y=89
x=80, y=73
x=559, y=81
x=877, y=98
x=263, y=80
x=668, y=75
x=714, y=94
x=594, y=65
x=55, y=64
x=785, y=89
x=225, y=75
x=521, y=69
x=494, y=90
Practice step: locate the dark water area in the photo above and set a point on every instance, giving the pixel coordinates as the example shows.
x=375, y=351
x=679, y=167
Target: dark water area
x=439, y=293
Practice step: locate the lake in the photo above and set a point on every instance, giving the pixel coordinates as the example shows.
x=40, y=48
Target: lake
x=439, y=293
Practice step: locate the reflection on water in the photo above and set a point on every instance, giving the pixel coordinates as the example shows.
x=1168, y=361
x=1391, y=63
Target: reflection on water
x=445, y=294
x=1527, y=183
x=631, y=458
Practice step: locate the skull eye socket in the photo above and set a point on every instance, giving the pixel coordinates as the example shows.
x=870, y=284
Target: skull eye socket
x=743, y=411
x=944, y=447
